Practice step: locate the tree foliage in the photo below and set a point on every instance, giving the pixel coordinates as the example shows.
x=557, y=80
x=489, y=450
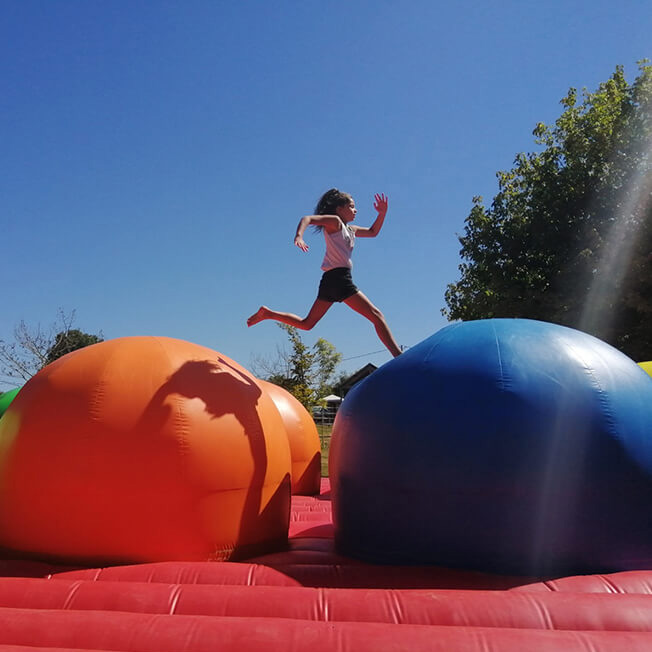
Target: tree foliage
x=568, y=237
x=33, y=348
x=306, y=372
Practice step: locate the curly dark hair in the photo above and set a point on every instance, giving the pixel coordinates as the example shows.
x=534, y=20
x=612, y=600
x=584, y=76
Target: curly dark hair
x=330, y=200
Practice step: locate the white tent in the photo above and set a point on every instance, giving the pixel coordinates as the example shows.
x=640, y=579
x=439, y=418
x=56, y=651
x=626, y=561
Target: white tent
x=331, y=398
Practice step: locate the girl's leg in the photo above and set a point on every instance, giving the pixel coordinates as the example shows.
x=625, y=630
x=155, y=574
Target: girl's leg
x=318, y=310
x=360, y=303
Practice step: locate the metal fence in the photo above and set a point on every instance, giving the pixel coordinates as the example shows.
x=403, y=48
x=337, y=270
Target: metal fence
x=324, y=416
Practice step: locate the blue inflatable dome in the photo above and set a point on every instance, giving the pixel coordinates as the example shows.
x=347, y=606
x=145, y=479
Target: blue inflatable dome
x=505, y=445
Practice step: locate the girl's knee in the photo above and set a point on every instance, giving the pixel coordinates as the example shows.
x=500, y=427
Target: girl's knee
x=377, y=315
x=306, y=325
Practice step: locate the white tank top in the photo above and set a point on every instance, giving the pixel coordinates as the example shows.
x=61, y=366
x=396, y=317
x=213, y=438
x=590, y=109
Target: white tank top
x=339, y=247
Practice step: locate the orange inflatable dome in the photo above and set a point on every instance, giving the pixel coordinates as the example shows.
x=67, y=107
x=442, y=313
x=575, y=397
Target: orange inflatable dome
x=305, y=447
x=143, y=449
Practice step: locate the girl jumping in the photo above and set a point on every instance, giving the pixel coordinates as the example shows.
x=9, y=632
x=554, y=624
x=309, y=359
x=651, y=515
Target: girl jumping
x=335, y=213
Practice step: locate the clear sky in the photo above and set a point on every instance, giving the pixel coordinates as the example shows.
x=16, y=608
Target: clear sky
x=157, y=155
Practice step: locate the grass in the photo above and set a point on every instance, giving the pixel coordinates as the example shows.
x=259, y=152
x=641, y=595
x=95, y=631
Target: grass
x=324, y=431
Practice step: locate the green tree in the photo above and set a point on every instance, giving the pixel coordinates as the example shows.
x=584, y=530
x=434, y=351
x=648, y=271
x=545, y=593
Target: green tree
x=326, y=358
x=68, y=341
x=301, y=361
x=33, y=348
x=306, y=372
x=568, y=236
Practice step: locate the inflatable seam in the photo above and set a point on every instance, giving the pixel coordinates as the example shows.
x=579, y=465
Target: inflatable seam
x=222, y=553
x=74, y=589
x=501, y=380
x=179, y=418
x=396, y=607
x=175, y=596
x=99, y=392
x=321, y=611
x=95, y=407
x=182, y=428
x=602, y=396
x=543, y=612
x=609, y=585
x=447, y=330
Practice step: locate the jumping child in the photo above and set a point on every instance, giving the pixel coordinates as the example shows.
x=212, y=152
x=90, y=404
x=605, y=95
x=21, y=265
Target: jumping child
x=335, y=213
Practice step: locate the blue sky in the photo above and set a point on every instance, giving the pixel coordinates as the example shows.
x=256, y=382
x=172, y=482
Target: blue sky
x=157, y=156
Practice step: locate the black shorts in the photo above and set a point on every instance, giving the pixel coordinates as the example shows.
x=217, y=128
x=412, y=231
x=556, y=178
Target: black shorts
x=336, y=285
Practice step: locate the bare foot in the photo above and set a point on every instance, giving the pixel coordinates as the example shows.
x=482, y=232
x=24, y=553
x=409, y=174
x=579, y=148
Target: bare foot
x=259, y=315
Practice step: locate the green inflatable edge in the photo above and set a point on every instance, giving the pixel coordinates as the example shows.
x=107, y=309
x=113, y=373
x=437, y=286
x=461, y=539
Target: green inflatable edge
x=6, y=398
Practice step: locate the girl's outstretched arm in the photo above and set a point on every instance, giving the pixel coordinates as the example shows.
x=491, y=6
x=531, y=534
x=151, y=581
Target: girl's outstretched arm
x=331, y=223
x=380, y=204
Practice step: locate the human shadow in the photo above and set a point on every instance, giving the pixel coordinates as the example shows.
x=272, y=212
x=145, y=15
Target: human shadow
x=308, y=483
x=224, y=389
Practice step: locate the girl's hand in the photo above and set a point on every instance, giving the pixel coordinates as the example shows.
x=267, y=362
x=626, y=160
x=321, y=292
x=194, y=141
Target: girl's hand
x=380, y=204
x=299, y=242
